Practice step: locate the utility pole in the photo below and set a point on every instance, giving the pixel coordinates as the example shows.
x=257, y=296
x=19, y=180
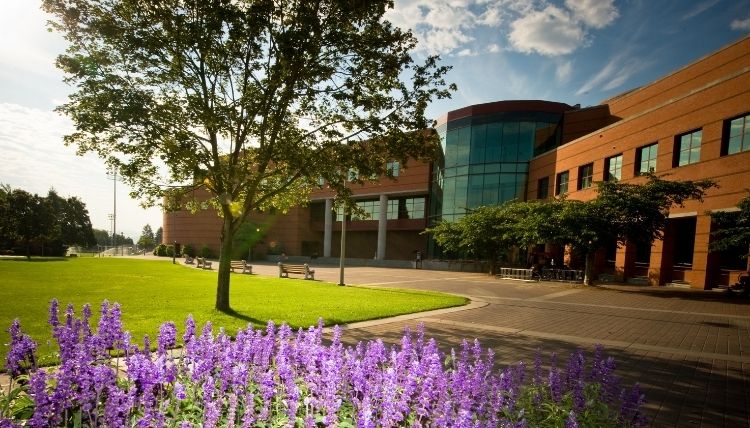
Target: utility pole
x=113, y=176
x=343, y=249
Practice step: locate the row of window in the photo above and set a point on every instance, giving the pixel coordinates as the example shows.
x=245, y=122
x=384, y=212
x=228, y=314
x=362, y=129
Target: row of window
x=687, y=150
x=393, y=169
x=402, y=208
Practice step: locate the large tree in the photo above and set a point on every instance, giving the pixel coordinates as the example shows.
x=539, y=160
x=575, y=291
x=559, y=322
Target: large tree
x=252, y=101
x=622, y=213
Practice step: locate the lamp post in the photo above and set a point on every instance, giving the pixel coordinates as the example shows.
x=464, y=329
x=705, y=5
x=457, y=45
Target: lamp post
x=111, y=218
x=112, y=175
x=343, y=249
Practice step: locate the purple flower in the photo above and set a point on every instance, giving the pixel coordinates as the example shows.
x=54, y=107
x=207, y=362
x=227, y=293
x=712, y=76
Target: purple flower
x=167, y=337
x=21, y=357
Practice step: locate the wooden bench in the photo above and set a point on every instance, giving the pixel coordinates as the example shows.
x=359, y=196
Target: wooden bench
x=286, y=269
x=202, y=263
x=240, y=264
x=189, y=260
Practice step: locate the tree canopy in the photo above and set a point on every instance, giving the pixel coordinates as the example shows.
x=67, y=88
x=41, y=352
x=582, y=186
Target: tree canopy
x=733, y=228
x=251, y=101
x=621, y=213
x=37, y=222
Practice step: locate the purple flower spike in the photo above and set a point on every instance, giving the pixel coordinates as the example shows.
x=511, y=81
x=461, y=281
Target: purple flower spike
x=20, y=358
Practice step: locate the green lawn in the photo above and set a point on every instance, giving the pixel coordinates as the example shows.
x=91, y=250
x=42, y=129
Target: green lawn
x=152, y=292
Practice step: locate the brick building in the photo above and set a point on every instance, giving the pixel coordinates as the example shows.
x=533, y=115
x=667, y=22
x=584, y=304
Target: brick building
x=691, y=124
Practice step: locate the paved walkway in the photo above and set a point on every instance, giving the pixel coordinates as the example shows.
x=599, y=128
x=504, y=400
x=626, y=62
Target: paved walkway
x=689, y=350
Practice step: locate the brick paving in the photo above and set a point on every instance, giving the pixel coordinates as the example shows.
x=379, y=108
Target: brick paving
x=689, y=350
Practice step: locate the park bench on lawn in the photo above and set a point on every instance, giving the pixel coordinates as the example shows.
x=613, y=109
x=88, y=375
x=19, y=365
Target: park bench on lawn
x=189, y=260
x=240, y=264
x=285, y=269
x=203, y=263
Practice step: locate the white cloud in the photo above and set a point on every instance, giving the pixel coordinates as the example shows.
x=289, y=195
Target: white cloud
x=550, y=31
x=493, y=48
x=698, y=9
x=35, y=159
x=593, y=13
x=741, y=24
x=466, y=52
x=564, y=72
x=614, y=74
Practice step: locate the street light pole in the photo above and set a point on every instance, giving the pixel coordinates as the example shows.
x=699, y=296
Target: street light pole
x=113, y=174
x=343, y=249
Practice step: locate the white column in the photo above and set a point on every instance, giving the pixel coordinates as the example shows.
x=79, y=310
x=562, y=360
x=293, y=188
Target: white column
x=328, y=231
x=382, y=222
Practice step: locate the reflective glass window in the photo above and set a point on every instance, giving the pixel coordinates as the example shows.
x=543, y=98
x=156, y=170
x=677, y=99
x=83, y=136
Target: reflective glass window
x=737, y=139
x=585, y=176
x=561, y=183
x=493, y=142
x=464, y=145
x=478, y=134
x=474, y=199
x=510, y=142
x=688, y=148
x=613, y=168
x=646, y=158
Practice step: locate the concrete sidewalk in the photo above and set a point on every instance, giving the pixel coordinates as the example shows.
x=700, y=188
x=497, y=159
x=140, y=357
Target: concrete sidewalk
x=689, y=350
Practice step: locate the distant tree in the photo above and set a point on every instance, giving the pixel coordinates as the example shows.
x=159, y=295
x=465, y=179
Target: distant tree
x=7, y=220
x=30, y=219
x=71, y=221
x=147, y=238
x=103, y=237
x=733, y=228
x=251, y=101
x=159, y=236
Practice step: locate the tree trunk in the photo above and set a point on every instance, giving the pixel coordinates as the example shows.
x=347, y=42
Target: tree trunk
x=222, y=286
x=588, y=268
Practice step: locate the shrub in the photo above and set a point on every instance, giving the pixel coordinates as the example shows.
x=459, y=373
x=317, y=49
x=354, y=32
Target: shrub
x=189, y=250
x=160, y=250
x=206, y=252
x=170, y=251
x=282, y=378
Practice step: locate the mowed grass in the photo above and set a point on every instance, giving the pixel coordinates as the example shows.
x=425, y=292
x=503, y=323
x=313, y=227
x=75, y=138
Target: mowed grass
x=152, y=292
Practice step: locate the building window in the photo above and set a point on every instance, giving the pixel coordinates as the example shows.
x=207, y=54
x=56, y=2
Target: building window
x=371, y=210
x=736, y=135
x=561, y=185
x=613, y=168
x=645, y=161
x=542, y=188
x=392, y=168
x=688, y=148
x=405, y=208
x=353, y=174
x=585, y=176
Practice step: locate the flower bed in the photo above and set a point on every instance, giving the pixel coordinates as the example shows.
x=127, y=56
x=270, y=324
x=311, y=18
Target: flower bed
x=279, y=377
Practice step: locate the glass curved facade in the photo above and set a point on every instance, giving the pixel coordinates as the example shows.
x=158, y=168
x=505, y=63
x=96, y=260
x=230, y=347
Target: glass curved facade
x=485, y=158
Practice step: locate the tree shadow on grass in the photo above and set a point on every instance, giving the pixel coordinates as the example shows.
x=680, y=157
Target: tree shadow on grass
x=33, y=259
x=240, y=316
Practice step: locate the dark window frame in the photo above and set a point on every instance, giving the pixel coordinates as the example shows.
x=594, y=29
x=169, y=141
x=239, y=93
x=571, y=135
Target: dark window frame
x=585, y=181
x=678, y=149
x=559, y=183
x=639, y=159
x=542, y=188
x=726, y=135
x=608, y=168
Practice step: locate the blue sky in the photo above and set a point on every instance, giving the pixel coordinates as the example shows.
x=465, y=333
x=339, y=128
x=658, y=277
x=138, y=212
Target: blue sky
x=572, y=51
